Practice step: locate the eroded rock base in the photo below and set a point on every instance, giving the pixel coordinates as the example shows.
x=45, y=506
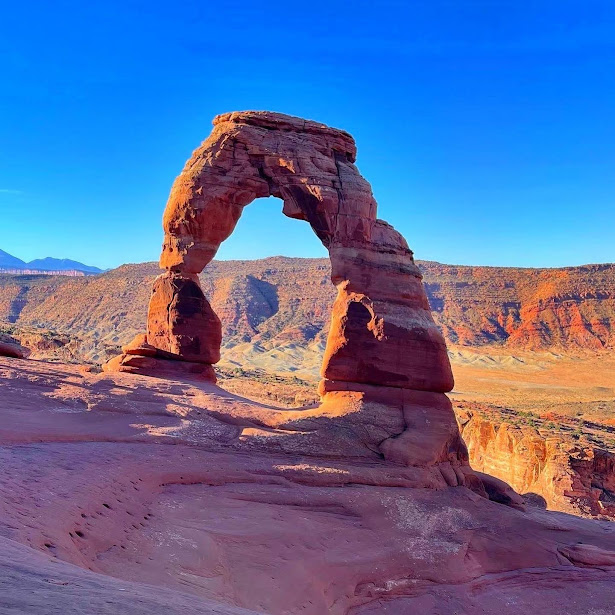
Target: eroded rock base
x=140, y=357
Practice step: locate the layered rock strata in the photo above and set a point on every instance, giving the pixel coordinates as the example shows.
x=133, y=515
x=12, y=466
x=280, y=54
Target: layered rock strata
x=556, y=470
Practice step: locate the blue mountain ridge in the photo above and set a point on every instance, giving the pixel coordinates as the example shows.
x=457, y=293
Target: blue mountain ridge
x=7, y=261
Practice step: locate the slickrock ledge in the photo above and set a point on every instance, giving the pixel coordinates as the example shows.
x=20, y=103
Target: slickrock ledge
x=122, y=493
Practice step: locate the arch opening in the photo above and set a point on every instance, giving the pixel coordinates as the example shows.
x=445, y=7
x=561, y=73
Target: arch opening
x=272, y=319
x=263, y=232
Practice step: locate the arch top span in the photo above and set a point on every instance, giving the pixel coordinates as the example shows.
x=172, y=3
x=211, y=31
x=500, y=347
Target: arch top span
x=339, y=140
x=383, y=346
x=256, y=154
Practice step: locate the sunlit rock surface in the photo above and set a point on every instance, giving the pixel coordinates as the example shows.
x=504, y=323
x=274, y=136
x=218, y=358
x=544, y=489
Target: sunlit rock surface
x=122, y=493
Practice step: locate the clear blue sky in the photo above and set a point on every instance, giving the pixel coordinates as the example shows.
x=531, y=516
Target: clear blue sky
x=487, y=129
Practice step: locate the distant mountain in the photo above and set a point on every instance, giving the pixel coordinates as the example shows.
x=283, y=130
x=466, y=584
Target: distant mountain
x=7, y=261
x=10, y=262
x=61, y=264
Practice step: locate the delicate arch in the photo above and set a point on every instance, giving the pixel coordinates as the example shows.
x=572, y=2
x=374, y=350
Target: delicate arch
x=385, y=366
x=307, y=165
x=311, y=168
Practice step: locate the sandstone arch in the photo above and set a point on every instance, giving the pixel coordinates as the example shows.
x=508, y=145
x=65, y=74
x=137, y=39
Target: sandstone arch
x=385, y=362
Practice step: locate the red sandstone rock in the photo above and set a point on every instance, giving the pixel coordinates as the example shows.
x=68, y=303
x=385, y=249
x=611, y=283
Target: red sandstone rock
x=565, y=474
x=390, y=341
x=588, y=555
x=386, y=344
x=148, y=496
x=14, y=350
x=382, y=333
x=139, y=346
x=160, y=367
x=180, y=320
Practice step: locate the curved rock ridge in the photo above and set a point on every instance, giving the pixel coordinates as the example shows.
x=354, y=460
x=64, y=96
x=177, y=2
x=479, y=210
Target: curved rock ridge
x=13, y=349
x=384, y=353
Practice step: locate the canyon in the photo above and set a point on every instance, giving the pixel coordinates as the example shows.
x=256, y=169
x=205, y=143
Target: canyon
x=275, y=303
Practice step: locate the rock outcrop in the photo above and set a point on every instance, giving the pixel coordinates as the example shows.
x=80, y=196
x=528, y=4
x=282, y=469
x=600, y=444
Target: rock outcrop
x=13, y=349
x=126, y=494
x=384, y=354
x=555, y=469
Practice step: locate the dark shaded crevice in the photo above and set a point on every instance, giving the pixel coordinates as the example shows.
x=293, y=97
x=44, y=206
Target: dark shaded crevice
x=18, y=304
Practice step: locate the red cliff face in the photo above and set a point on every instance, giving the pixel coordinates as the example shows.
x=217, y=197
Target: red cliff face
x=568, y=473
x=531, y=309
x=278, y=299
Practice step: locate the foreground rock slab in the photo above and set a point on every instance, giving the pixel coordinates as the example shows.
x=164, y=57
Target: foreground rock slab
x=121, y=493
